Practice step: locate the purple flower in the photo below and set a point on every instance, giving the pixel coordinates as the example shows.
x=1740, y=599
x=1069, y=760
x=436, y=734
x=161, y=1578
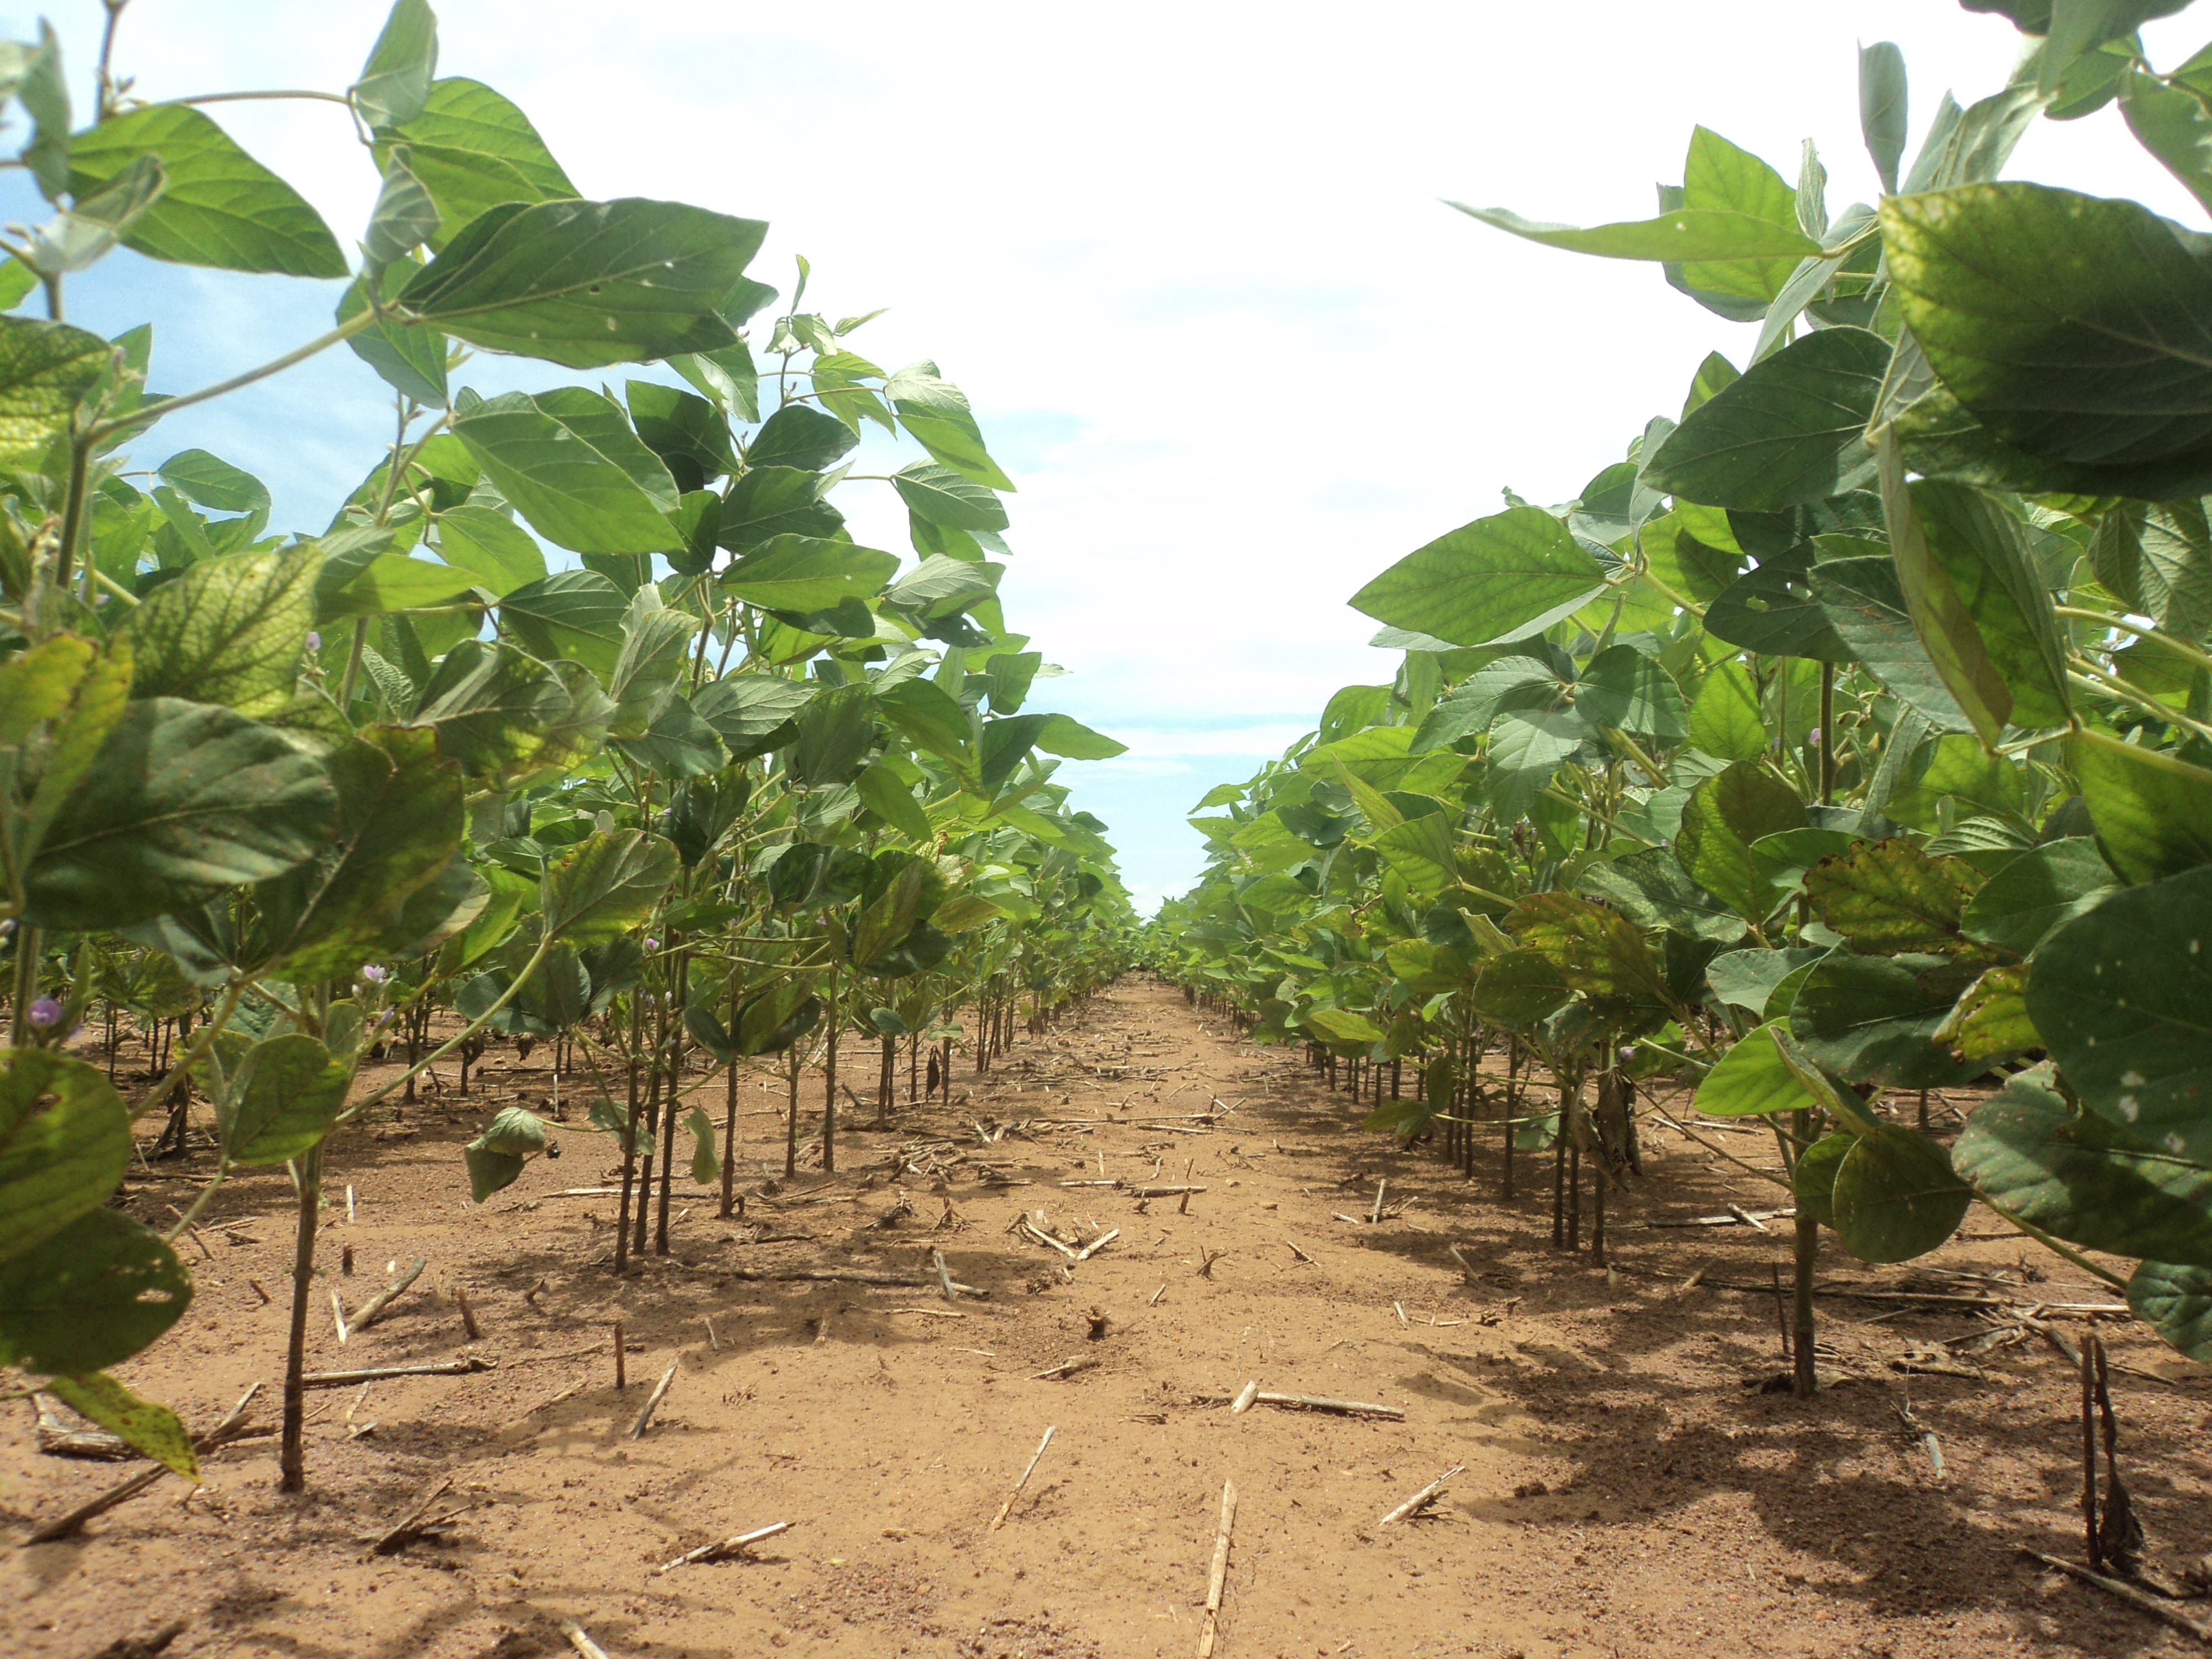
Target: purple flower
x=648, y=998
x=375, y=973
x=651, y=942
x=314, y=640
x=45, y=1013
x=1813, y=736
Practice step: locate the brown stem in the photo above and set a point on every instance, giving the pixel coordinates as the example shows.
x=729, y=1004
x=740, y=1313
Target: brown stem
x=730, y=1117
x=293, y=1458
x=1807, y=1253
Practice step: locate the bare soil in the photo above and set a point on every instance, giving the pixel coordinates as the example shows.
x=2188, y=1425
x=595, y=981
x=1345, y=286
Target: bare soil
x=1627, y=1488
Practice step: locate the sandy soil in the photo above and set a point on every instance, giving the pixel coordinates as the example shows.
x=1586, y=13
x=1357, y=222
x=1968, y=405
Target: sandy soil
x=1626, y=1488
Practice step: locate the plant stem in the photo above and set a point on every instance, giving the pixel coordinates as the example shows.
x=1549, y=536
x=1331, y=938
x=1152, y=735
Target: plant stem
x=2157, y=636
x=2090, y=677
x=104, y=82
x=73, y=511
x=257, y=97
x=293, y=1458
x=1806, y=1253
x=2059, y=1247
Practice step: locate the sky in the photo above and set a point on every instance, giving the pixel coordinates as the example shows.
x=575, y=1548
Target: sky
x=1191, y=263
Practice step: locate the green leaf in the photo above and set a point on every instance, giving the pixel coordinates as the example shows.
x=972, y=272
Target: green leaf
x=1598, y=952
x=882, y=794
x=654, y=655
x=936, y=415
x=1484, y=581
x=938, y=495
x=1874, y=1019
x=1979, y=548
x=408, y=357
x=1520, y=988
x=769, y=501
x=745, y=709
x=1751, y=979
x=184, y=800
x=805, y=574
x=2123, y=997
x=1723, y=816
x=2045, y=311
x=399, y=823
x=706, y=1168
x=65, y=1144
x=385, y=584
x=2176, y=1301
x=403, y=218
x=1517, y=683
x=89, y=229
x=1686, y=236
x=1788, y=433
x=152, y=1429
x=36, y=78
x=2172, y=121
x=575, y=614
x=504, y=715
x=2082, y=1178
x=1991, y=1021
x=1419, y=851
x=1651, y=890
x=491, y=549
x=934, y=723
x=1882, y=106
x=2037, y=892
x=1954, y=645
x=280, y=1100
x=2157, y=557
x=220, y=206
x=801, y=437
x=1771, y=609
x=887, y=918
x=515, y=1130
x=394, y=87
x=607, y=887
x=778, y=1016
x=1341, y=1028
x=1813, y=1182
x=1896, y=1196
x=84, y=695
x=1622, y=689
x=1060, y=735
x=2153, y=811
x=482, y=150
x=727, y=376
x=587, y=284
x=836, y=730
x=46, y=369
x=1724, y=719
x=89, y=1297
x=1718, y=176
x=1751, y=1080
x=228, y=631
x=489, y=1171
x=1865, y=605
x=572, y=467
x=1427, y=969
x=687, y=432
x=1888, y=897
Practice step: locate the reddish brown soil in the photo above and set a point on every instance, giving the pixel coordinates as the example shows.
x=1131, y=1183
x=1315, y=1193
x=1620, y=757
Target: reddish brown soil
x=1670, y=1509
